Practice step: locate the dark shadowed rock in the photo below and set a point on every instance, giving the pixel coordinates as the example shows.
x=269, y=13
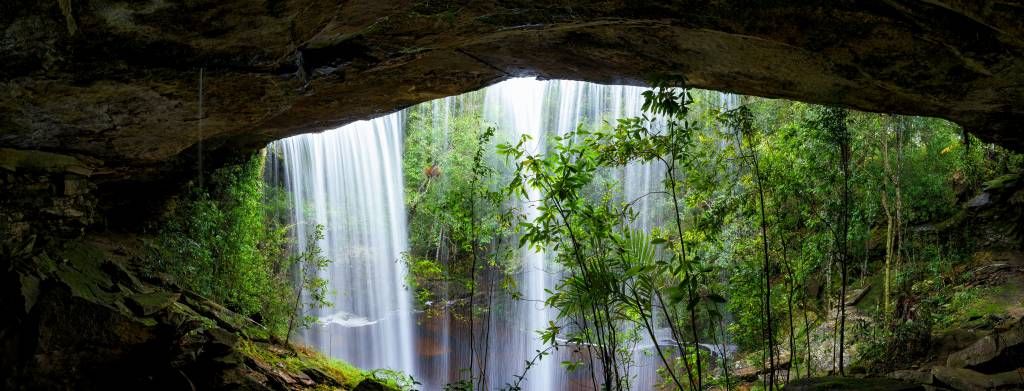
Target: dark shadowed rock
x=913, y=376
x=371, y=385
x=146, y=304
x=79, y=321
x=855, y=297
x=115, y=85
x=1001, y=351
x=968, y=380
x=850, y=383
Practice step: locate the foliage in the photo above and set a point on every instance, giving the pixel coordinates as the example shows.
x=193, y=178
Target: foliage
x=455, y=221
x=228, y=242
x=301, y=359
x=768, y=210
x=616, y=284
x=308, y=264
x=453, y=206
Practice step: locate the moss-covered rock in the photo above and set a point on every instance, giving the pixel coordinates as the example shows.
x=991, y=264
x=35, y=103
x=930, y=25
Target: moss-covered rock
x=86, y=321
x=851, y=383
x=122, y=86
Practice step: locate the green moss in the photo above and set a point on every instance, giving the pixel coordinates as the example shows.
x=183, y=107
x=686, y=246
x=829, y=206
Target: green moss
x=976, y=306
x=301, y=359
x=1002, y=181
x=16, y=159
x=849, y=383
x=149, y=303
x=873, y=298
x=81, y=271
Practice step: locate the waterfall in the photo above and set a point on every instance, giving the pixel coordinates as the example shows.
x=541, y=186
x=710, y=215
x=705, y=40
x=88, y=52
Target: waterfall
x=350, y=180
x=515, y=106
x=541, y=109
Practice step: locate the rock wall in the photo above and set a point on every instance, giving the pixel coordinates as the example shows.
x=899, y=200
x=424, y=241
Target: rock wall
x=43, y=194
x=107, y=106
x=119, y=82
x=82, y=315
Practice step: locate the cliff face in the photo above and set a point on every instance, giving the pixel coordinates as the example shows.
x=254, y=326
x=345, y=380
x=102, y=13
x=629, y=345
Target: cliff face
x=84, y=316
x=119, y=81
x=100, y=105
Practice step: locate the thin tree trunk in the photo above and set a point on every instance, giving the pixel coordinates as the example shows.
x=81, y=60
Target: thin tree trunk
x=725, y=358
x=844, y=255
x=888, y=258
x=657, y=346
x=889, y=231
x=807, y=337
x=767, y=274
x=789, y=303
x=670, y=174
x=677, y=339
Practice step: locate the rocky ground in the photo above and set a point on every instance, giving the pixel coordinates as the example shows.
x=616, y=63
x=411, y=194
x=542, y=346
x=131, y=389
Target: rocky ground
x=86, y=318
x=978, y=342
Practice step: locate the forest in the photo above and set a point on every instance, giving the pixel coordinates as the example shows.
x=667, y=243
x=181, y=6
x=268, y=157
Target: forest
x=568, y=235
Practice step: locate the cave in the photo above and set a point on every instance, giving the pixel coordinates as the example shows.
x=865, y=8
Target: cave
x=115, y=110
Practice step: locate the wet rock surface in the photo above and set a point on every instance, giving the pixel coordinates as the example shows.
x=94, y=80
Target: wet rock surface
x=992, y=362
x=850, y=383
x=118, y=83
x=82, y=319
x=1001, y=351
x=967, y=380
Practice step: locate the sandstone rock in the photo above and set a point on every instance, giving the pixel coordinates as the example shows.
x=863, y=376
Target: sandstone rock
x=980, y=200
x=302, y=378
x=224, y=317
x=850, y=383
x=221, y=341
x=968, y=380
x=92, y=325
x=854, y=297
x=370, y=385
x=321, y=377
x=146, y=304
x=913, y=376
x=962, y=379
x=1008, y=380
x=998, y=352
x=747, y=374
x=121, y=88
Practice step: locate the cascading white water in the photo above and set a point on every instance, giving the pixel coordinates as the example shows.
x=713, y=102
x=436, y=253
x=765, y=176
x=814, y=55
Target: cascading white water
x=350, y=180
x=515, y=106
x=541, y=109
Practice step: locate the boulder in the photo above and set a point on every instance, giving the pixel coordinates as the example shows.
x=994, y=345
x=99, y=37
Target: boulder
x=855, y=297
x=370, y=385
x=851, y=383
x=747, y=374
x=913, y=376
x=1001, y=351
x=82, y=322
x=321, y=377
x=146, y=304
x=117, y=84
x=967, y=380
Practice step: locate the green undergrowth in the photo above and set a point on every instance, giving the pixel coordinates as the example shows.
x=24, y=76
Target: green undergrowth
x=977, y=306
x=301, y=360
x=225, y=239
x=102, y=271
